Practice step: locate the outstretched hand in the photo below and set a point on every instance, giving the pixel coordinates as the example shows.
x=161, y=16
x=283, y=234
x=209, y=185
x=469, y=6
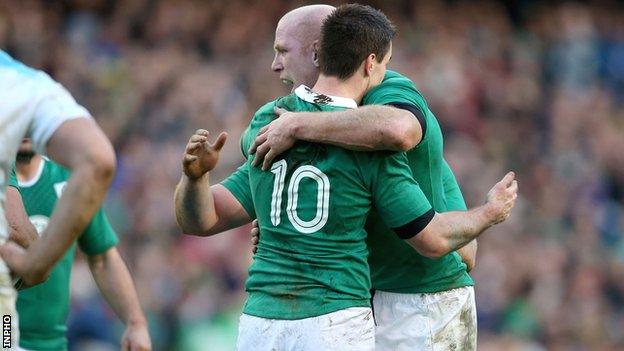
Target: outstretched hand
x=201, y=156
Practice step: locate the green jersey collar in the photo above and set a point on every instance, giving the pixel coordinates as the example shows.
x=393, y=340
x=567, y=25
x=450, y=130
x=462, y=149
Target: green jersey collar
x=306, y=94
x=35, y=179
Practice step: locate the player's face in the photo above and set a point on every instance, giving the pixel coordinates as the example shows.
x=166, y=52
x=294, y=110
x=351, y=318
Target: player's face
x=25, y=151
x=379, y=70
x=26, y=146
x=294, y=59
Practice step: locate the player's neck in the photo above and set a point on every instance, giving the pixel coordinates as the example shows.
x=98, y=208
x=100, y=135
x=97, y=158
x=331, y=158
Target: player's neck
x=27, y=170
x=349, y=88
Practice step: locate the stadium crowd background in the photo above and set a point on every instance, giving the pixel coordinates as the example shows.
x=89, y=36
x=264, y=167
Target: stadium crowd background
x=537, y=88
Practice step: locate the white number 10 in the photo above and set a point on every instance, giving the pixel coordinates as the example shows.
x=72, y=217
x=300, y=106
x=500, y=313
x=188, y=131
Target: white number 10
x=322, y=197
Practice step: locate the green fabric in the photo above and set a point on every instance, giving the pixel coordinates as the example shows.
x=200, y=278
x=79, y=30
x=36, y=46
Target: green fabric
x=297, y=273
x=238, y=184
x=454, y=198
x=395, y=266
x=13, y=179
x=43, y=309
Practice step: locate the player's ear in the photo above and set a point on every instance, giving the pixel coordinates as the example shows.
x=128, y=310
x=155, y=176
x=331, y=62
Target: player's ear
x=369, y=64
x=315, y=48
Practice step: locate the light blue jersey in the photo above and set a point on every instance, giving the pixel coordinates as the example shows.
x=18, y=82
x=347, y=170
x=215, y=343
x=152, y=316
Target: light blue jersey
x=31, y=105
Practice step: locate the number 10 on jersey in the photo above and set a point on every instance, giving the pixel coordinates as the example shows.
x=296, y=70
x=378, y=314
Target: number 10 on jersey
x=322, y=197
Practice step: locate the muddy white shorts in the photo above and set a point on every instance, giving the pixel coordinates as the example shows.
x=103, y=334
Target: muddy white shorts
x=426, y=322
x=351, y=329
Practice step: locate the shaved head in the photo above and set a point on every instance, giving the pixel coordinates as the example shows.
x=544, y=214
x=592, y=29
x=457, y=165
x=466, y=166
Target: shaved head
x=296, y=38
x=305, y=22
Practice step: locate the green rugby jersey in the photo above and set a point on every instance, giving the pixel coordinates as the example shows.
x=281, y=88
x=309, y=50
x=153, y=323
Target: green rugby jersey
x=395, y=266
x=43, y=309
x=311, y=208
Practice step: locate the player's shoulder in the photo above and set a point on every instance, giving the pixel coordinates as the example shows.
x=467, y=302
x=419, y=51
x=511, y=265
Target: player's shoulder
x=27, y=85
x=264, y=115
x=9, y=64
x=14, y=72
x=393, y=78
x=267, y=108
x=394, y=84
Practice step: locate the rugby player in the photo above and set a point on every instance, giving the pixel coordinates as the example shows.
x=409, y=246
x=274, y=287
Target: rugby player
x=420, y=299
x=43, y=309
x=34, y=104
x=309, y=283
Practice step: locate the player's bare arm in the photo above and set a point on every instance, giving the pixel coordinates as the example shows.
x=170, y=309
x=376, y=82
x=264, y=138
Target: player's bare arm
x=114, y=282
x=21, y=230
x=202, y=209
x=80, y=145
x=468, y=254
x=455, y=201
x=366, y=128
x=450, y=231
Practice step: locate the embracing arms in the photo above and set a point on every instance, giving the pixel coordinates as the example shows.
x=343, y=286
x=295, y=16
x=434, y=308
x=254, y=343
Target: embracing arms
x=368, y=128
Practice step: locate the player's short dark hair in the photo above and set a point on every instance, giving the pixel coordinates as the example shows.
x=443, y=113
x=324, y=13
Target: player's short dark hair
x=349, y=35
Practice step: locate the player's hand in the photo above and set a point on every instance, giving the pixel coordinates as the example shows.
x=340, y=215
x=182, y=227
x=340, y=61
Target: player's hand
x=273, y=139
x=21, y=237
x=16, y=258
x=255, y=235
x=136, y=338
x=201, y=156
x=502, y=197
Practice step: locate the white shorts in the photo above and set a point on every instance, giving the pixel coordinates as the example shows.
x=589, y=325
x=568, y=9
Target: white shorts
x=8, y=296
x=351, y=329
x=430, y=322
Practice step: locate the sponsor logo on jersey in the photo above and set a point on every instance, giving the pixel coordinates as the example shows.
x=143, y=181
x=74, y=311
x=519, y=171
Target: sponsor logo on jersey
x=59, y=188
x=40, y=222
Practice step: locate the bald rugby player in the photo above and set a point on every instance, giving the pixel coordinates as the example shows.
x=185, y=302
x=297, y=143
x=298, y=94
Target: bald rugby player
x=205, y=210
x=395, y=116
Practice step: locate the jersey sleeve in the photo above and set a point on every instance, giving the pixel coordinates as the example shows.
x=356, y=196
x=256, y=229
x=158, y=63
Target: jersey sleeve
x=13, y=178
x=395, y=90
x=238, y=184
x=454, y=198
x=54, y=106
x=397, y=197
x=99, y=235
x=400, y=92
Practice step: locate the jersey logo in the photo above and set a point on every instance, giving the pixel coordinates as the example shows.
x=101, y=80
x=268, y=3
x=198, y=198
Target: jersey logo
x=59, y=188
x=320, y=98
x=40, y=222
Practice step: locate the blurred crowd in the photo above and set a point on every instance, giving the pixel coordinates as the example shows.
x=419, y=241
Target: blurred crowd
x=533, y=87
